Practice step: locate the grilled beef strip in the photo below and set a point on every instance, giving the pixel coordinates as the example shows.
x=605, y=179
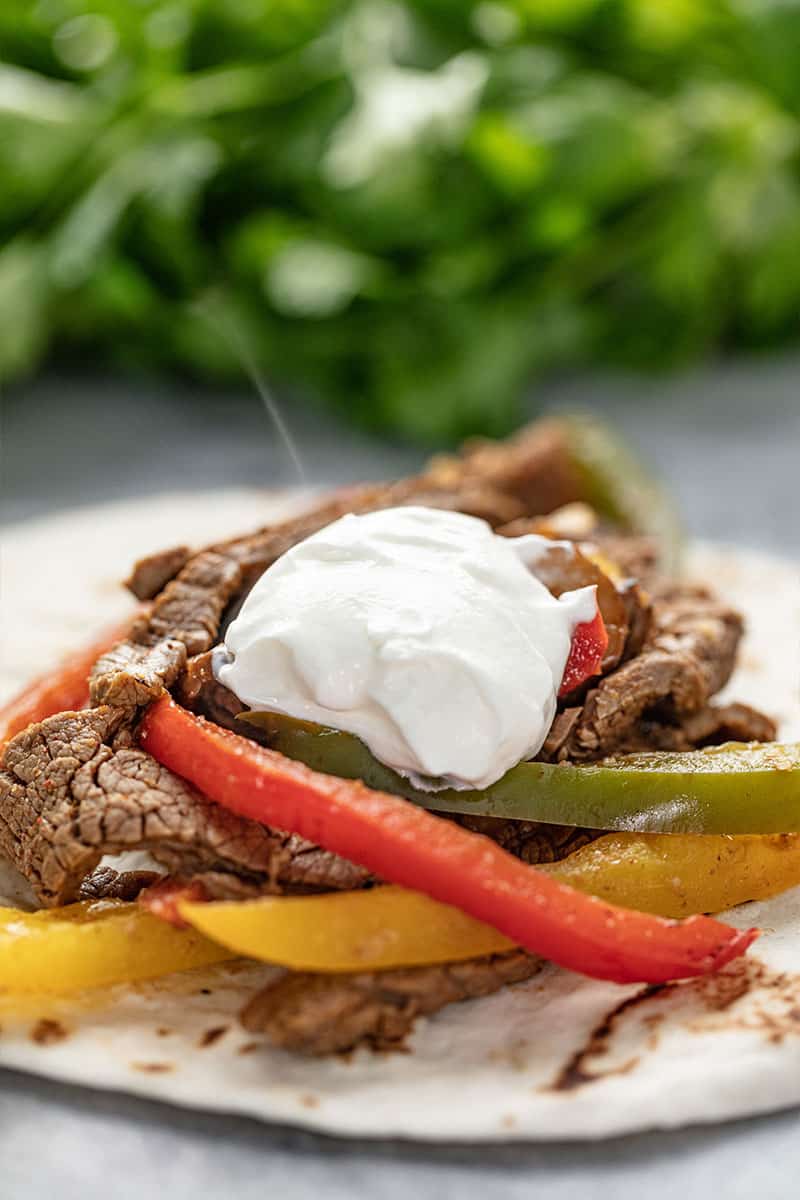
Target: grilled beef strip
x=500, y=482
x=75, y=788
x=150, y=575
x=105, y=883
x=688, y=656
x=329, y=1014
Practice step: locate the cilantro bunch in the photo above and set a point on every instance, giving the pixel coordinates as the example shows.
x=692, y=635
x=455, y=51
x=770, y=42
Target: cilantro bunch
x=407, y=208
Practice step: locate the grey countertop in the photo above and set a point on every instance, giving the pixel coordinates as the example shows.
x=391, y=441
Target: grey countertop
x=728, y=442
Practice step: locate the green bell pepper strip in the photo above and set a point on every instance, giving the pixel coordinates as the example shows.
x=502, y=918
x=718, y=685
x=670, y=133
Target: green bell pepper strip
x=735, y=788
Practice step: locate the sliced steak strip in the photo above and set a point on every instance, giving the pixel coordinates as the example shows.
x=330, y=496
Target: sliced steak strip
x=687, y=658
x=535, y=467
x=151, y=574
x=107, y=884
x=200, y=691
x=291, y=865
x=636, y=555
x=67, y=798
x=329, y=1014
x=184, y=618
x=131, y=675
x=190, y=607
x=728, y=723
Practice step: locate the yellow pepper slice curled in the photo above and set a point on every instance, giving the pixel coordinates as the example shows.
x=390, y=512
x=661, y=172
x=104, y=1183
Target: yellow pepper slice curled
x=346, y=931
x=94, y=944
x=102, y=943
x=670, y=875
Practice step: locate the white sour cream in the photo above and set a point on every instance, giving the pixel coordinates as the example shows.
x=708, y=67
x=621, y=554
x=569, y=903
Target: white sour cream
x=421, y=631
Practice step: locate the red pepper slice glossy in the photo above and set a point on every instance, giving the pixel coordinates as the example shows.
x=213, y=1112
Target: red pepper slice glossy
x=589, y=644
x=405, y=844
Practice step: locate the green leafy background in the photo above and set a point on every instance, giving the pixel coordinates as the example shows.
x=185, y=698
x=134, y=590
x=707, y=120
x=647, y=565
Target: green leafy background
x=409, y=210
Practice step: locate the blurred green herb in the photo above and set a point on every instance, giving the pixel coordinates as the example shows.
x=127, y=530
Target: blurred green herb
x=408, y=208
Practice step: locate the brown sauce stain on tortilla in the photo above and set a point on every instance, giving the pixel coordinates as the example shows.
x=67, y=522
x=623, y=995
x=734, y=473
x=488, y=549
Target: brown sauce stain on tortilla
x=249, y=1048
x=775, y=1014
x=164, y=1032
x=576, y=1071
x=211, y=1036
x=48, y=1032
x=153, y=1068
x=309, y=1101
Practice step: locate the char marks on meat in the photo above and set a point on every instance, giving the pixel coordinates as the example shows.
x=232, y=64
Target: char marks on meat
x=329, y=1014
x=74, y=789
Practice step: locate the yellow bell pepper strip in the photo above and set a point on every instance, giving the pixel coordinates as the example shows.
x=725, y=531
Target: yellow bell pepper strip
x=94, y=944
x=735, y=788
x=372, y=930
x=65, y=689
x=404, y=844
x=675, y=874
x=670, y=875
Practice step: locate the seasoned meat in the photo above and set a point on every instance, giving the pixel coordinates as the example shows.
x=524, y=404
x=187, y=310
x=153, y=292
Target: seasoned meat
x=328, y=1014
x=532, y=841
x=535, y=467
x=728, y=723
x=131, y=675
x=289, y=864
x=200, y=691
x=190, y=607
x=640, y=617
x=636, y=555
x=105, y=883
x=154, y=572
x=688, y=656
x=712, y=726
x=183, y=619
x=67, y=798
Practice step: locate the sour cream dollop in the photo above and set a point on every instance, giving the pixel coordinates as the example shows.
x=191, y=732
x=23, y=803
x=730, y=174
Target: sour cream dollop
x=420, y=631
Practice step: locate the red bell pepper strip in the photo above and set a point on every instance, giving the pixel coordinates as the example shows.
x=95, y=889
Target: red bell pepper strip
x=65, y=689
x=589, y=644
x=405, y=844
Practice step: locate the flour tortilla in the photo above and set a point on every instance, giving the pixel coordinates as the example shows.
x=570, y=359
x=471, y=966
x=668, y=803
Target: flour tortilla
x=542, y=1060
